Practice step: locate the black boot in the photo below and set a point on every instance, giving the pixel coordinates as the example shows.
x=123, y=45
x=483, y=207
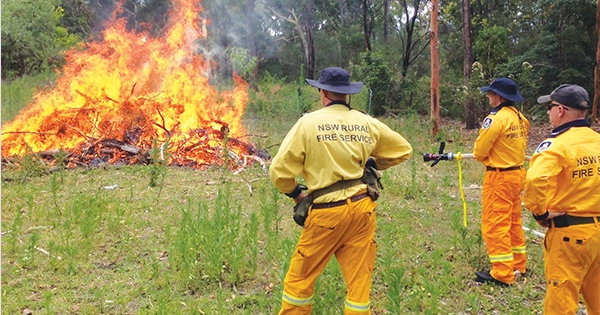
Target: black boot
x=485, y=276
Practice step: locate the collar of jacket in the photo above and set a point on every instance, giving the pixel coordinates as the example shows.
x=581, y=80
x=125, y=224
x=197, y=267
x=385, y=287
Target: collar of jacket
x=338, y=102
x=564, y=127
x=499, y=107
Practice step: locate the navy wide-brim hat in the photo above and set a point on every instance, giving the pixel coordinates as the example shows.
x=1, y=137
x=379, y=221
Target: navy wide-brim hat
x=336, y=80
x=506, y=88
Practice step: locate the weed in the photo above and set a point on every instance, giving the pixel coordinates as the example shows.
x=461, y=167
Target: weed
x=195, y=247
x=158, y=169
x=31, y=166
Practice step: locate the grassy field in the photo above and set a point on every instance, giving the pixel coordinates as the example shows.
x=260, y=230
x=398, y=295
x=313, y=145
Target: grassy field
x=105, y=241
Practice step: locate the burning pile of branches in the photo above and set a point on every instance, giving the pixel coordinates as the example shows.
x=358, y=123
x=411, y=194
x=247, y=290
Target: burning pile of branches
x=132, y=99
x=202, y=148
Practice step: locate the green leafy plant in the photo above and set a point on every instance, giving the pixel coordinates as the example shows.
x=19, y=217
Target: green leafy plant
x=376, y=74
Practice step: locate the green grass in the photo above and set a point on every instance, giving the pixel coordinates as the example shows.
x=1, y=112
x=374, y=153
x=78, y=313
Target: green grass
x=213, y=242
x=17, y=94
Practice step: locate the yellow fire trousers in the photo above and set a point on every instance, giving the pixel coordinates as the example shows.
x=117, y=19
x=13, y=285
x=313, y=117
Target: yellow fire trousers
x=502, y=224
x=572, y=265
x=345, y=231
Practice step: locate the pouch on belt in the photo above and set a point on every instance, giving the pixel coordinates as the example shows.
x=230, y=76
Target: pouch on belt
x=301, y=210
x=371, y=177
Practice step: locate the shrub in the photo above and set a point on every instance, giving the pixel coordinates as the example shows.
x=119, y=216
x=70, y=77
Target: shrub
x=374, y=71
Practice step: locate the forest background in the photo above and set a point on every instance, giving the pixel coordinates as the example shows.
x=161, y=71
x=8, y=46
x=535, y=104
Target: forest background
x=385, y=43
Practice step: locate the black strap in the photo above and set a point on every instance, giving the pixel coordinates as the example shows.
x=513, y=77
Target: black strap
x=340, y=185
x=568, y=220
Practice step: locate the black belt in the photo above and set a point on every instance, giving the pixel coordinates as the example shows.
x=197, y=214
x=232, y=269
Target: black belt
x=494, y=169
x=567, y=220
x=339, y=203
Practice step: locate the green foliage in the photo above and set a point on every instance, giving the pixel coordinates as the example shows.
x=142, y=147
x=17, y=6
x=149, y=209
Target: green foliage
x=377, y=76
x=29, y=166
x=523, y=72
x=214, y=246
x=242, y=63
x=277, y=99
x=77, y=18
x=32, y=37
x=342, y=49
x=491, y=48
x=478, y=79
x=452, y=94
x=16, y=94
x=159, y=156
x=414, y=93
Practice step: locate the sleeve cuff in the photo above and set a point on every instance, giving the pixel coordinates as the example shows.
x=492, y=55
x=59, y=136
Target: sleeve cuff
x=297, y=191
x=371, y=163
x=541, y=217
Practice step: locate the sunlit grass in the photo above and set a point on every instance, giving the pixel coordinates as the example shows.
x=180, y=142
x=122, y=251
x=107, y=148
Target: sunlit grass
x=120, y=240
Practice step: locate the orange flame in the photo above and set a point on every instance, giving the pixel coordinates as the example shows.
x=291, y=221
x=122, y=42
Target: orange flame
x=134, y=88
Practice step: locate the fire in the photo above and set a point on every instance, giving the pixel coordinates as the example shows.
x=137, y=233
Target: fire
x=131, y=89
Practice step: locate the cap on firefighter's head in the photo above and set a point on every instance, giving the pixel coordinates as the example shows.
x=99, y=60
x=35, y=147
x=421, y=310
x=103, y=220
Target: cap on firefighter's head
x=504, y=87
x=336, y=80
x=571, y=95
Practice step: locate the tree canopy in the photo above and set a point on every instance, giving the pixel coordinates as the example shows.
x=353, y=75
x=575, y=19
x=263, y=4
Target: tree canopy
x=539, y=43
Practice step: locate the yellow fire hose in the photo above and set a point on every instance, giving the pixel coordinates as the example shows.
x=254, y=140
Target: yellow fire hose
x=440, y=156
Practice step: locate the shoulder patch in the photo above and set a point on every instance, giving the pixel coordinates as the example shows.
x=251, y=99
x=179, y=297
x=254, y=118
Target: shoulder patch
x=487, y=122
x=543, y=146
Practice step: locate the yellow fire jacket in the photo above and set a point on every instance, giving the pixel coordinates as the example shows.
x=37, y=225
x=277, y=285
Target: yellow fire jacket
x=564, y=172
x=333, y=144
x=502, y=138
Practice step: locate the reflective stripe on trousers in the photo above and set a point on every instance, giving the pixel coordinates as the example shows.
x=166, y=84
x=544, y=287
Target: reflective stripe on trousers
x=502, y=223
x=348, y=233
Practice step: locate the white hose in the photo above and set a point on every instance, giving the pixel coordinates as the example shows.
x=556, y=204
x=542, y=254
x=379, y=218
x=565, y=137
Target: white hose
x=534, y=232
x=470, y=156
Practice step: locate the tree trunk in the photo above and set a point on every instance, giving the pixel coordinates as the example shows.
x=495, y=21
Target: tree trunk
x=303, y=30
x=386, y=21
x=597, y=69
x=342, y=4
x=310, y=42
x=435, y=70
x=410, y=30
x=366, y=30
x=470, y=117
x=250, y=41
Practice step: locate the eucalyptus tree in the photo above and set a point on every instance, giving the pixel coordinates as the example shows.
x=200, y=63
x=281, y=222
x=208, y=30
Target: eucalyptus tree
x=469, y=102
x=413, y=32
x=301, y=19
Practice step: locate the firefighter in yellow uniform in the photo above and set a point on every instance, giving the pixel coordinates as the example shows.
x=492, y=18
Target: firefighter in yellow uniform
x=327, y=147
x=562, y=191
x=501, y=146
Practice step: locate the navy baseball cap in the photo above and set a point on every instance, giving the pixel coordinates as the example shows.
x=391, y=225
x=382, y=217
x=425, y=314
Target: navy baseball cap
x=571, y=95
